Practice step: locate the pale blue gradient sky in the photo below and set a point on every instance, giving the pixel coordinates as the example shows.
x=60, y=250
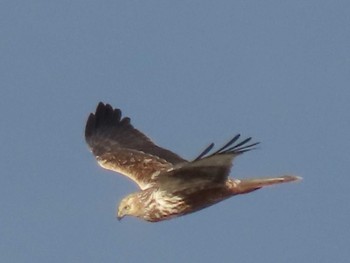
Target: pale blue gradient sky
x=187, y=73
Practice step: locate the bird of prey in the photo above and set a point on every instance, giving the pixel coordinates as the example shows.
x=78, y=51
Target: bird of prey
x=170, y=186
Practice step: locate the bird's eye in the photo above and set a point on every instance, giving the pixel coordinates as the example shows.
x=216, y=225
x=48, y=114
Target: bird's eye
x=127, y=207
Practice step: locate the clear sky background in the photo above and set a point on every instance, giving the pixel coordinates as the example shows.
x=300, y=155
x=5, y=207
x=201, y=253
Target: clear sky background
x=187, y=73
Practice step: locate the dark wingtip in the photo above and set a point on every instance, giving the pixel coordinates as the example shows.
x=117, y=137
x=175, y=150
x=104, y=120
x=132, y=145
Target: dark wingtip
x=206, y=150
x=230, y=142
x=229, y=148
x=90, y=125
x=104, y=117
x=100, y=105
x=245, y=148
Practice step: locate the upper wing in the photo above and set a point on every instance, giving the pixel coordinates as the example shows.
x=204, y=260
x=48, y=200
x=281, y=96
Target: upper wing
x=205, y=170
x=119, y=147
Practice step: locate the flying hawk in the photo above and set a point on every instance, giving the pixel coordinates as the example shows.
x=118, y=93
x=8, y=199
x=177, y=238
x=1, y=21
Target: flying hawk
x=170, y=186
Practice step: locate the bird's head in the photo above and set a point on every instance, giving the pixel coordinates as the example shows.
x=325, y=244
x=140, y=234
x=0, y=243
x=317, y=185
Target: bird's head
x=129, y=206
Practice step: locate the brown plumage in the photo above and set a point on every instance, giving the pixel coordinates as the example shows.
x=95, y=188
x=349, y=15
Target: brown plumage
x=170, y=186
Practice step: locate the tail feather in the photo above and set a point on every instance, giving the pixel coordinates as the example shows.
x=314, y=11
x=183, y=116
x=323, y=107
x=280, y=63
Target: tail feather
x=248, y=185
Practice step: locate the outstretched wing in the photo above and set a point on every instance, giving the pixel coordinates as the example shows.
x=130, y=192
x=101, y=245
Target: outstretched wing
x=119, y=147
x=205, y=171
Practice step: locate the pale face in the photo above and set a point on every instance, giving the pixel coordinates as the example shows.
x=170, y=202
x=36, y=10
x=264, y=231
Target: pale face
x=129, y=206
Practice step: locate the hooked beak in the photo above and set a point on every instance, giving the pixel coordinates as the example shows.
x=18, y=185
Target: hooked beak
x=120, y=216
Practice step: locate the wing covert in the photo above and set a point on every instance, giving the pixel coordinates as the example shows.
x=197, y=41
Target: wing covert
x=142, y=168
x=119, y=147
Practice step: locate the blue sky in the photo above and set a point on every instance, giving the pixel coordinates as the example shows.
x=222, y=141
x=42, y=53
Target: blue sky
x=187, y=73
